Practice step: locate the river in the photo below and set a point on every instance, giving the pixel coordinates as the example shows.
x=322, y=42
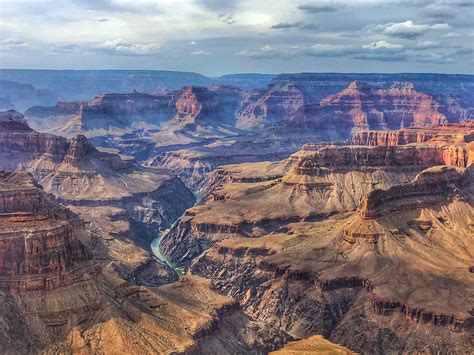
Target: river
x=155, y=244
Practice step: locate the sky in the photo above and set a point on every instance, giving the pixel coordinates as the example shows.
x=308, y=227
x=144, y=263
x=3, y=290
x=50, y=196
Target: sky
x=216, y=37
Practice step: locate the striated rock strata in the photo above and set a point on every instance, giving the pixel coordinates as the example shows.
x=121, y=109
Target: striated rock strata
x=369, y=246
x=56, y=299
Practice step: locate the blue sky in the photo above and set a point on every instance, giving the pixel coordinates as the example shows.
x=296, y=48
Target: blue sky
x=216, y=37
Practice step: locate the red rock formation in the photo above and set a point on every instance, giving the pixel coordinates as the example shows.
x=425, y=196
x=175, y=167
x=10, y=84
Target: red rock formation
x=450, y=133
x=371, y=107
x=39, y=246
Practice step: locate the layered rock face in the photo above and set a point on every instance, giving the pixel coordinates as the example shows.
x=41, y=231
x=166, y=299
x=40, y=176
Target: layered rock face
x=371, y=107
x=360, y=106
x=291, y=113
x=40, y=249
x=130, y=204
x=450, y=134
x=55, y=299
x=47, y=275
x=119, y=110
x=298, y=96
x=20, y=145
x=62, y=108
x=367, y=245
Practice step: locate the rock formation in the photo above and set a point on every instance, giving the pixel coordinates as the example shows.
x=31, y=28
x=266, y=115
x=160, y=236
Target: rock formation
x=131, y=204
x=345, y=240
x=312, y=345
x=289, y=114
x=296, y=96
x=56, y=299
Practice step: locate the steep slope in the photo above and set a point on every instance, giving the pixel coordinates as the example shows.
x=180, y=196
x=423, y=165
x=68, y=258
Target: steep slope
x=361, y=106
x=106, y=114
x=369, y=246
x=130, y=203
x=202, y=114
x=289, y=94
x=291, y=113
x=56, y=299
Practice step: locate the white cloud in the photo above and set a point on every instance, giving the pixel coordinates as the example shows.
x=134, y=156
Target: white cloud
x=451, y=35
x=382, y=45
x=407, y=29
x=200, y=53
x=13, y=43
x=119, y=46
x=320, y=7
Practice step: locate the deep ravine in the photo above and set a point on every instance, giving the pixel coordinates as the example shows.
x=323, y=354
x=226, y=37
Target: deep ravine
x=155, y=244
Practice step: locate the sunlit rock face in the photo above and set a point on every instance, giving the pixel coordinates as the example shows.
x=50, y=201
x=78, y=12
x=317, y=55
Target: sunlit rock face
x=369, y=237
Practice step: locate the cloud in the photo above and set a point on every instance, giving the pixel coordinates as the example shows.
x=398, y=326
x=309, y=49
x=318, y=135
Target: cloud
x=119, y=46
x=451, y=35
x=407, y=29
x=200, y=53
x=218, y=5
x=382, y=45
x=286, y=25
x=119, y=6
x=13, y=43
x=331, y=50
x=295, y=25
x=268, y=51
x=228, y=19
x=322, y=7
x=382, y=51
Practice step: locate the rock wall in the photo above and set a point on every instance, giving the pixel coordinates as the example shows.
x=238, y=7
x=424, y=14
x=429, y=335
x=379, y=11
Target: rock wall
x=39, y=245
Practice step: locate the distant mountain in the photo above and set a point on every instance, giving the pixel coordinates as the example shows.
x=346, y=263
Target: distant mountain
x=14, y=95
x=86, y=84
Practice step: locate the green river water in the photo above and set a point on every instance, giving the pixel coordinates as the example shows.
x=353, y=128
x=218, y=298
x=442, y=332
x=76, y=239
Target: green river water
x=155, y=244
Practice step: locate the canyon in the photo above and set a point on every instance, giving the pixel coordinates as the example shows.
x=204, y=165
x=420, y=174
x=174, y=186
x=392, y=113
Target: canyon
x=57, y=298
x=331, y=213
x=371, y=237
x=195, y=129
x=125, y=204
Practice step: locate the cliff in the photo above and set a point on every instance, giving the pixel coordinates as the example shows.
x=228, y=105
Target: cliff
x=56, y=298
x=40, y=249
x=367, y=245
x=375, y=101
x=126, y=203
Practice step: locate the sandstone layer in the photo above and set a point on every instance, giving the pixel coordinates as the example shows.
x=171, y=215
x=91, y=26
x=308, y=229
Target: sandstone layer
x=57, y=299
x=126, y=205
x=368, y=245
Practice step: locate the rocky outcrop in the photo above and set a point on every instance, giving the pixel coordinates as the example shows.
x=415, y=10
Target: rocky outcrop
x=315, y=344
x=39, y=245
x=449, y=134
x=20, y=146
x=286, y=240
x=429, y=187
x=62, y=108
x=365, y=106
x=310, y=98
